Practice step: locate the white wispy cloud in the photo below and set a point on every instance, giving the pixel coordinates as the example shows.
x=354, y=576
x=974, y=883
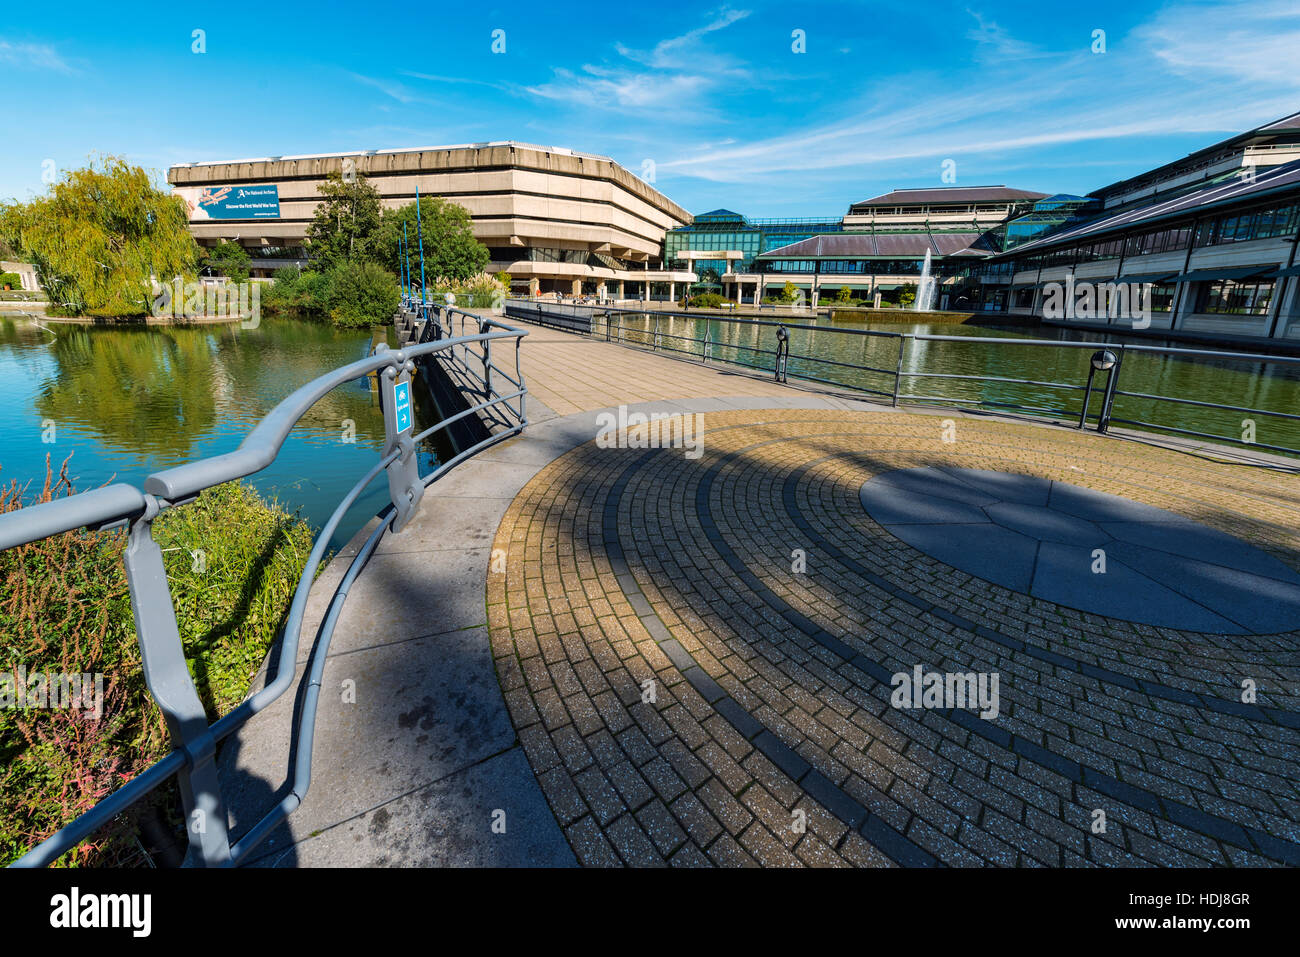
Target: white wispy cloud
x=678, y=72
x=994, y=42
x=459, y=80
x=1256, y=42
x=681, y=52
x=35, y=56
x=398, y=91
x=1192, y=68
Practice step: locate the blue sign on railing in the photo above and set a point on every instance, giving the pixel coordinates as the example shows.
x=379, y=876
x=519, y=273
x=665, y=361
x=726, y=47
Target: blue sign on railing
x=402, y=405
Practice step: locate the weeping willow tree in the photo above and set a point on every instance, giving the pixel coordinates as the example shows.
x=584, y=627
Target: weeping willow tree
x=100, y=237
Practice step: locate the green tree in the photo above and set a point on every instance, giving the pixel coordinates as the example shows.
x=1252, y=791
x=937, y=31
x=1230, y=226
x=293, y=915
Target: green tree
x=100, y=237
x=450, y=249
x=845, y=294
x=347, y=218
x=362, y=294
x=228, y=259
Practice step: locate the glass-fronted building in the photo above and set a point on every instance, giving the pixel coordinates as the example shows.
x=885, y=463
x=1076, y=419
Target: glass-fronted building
x=873, y=253
x=1206, y=245
x=725, y=231
x=1047, y=216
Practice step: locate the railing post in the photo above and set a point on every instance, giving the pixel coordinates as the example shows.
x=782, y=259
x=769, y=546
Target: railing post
x=898, y=370
x=782, y=351
x=519, y=371
x=484, y=327
x=404, y=485
x=1087, y=396
x=168, y=678
x=1108, y=398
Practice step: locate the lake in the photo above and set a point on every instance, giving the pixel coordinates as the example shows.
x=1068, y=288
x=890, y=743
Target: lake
x=127, y=400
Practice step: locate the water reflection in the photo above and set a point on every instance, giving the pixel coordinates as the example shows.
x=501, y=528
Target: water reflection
x=125, y=401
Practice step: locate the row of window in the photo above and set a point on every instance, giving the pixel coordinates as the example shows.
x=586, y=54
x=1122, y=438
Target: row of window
x=1251, y=298
x=1222, y=297
x=937, y=210
x=860, y=267
x=1266, y=223
x=550, y=254
x=1255, y=224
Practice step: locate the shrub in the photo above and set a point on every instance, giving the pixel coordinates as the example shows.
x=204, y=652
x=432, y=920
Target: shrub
x=478, y=292
x=707, y=300
x=302, y=295
x=362, y=294
x=11, y=279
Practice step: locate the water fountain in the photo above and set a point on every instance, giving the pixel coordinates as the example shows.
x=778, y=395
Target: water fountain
x=925, y=289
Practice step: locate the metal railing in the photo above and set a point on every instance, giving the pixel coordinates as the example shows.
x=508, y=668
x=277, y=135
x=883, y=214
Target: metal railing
x=472, y=371
x=193, y=758
x=646, y=329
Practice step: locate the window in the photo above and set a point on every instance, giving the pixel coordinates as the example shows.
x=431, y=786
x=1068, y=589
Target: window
x=1161, y=296
x=1252, y=224
x=547, y=254
x=1159, y=241
x=1024, y=297
x=1233, y=298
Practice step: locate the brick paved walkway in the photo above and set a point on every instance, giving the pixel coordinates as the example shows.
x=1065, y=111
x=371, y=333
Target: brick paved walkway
x=686, y=690
x=691, y=660
x=569, y=373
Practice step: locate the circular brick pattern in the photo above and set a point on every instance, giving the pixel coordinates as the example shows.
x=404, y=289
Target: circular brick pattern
x=1088, y=550
x=697, y=655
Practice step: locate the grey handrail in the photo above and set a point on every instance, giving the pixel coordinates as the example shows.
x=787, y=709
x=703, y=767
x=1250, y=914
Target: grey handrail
x=194, y=740
x=93, y=509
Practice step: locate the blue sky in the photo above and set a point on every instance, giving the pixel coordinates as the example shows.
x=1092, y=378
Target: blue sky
x=714, y=96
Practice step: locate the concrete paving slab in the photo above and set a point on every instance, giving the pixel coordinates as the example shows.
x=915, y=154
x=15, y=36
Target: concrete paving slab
x=446, y=824
x=1046, y=524
x=1064, y=575
x=451, y=523
x=1261, y=605
x=1005, y=486
x=1162, y=568
x=408, y=595
x=1103, y=507
x=417, y=711
x=891, y=505
x=1203, y=544
x=933, y=483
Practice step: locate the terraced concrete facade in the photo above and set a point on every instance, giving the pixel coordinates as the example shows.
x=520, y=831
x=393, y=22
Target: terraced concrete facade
x=551, y=217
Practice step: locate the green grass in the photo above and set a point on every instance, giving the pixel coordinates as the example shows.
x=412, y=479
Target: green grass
x=64, y=607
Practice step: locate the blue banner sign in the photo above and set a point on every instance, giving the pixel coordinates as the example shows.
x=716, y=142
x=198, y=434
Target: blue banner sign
x=234, y=202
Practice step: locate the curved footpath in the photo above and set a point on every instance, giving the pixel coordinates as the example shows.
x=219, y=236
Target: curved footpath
x=643, y=656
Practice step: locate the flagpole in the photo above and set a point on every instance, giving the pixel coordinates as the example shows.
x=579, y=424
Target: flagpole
x=419, y=236
x=406, y=265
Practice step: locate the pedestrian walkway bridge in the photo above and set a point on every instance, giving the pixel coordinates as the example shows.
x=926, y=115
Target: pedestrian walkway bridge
x=570, y=646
